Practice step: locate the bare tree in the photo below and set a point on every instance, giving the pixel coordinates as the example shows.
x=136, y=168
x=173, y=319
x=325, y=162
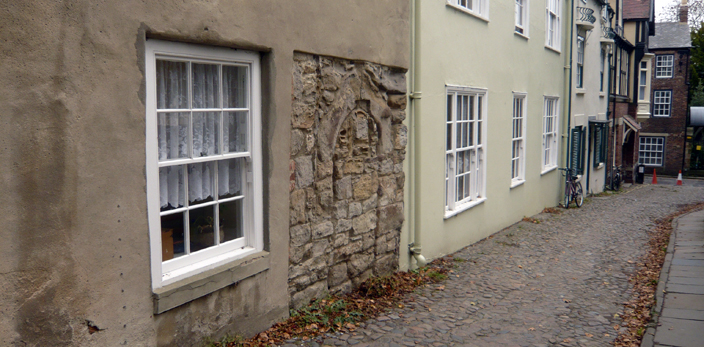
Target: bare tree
x=695, y=14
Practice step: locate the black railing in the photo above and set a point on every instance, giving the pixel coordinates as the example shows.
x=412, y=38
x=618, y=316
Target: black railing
x=618, y=30
x=608, y=32
x=586, y=15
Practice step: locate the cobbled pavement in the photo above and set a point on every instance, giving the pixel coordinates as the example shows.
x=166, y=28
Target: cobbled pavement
x=559, y=282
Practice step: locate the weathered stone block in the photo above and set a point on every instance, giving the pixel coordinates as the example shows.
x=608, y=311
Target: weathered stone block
x=390, y=217
x=381, y=245
x=316, y=290
x=356, y=281
x=323, y=169
x=386, y=167
x=355, y=209
x=400, y=136
x=343, y=225
x=298, y=207
x=300, y=234
x=370, y=204
x=345, y=287
x=354, y=166
x=337, y=275
x=297, y=141
x=364, y=223
x=340, y=211
x=359, y=263
x=320, y=247
x=386, y=265
x=365, y=186
x=368, y=241
x=397, y=101
x=340, y=240
x=321, y=230
x=398, y=116
x=326, y=199
x=297, y=254
x=387, y=190
x=304, y=171
x=343, y=188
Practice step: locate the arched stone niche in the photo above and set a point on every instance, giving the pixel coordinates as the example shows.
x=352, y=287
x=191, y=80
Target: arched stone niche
x=347, y=150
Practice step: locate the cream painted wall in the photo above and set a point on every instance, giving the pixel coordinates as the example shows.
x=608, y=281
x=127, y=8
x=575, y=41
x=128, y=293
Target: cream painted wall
x=458, y=48
x=588, y=102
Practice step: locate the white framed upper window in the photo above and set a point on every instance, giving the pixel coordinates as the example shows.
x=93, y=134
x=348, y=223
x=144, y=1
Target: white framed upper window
x=550, y=133
x=662, y=99
x=522, y=17
x=580, y=61
x=204, y=185
x=478, y=8
x=664, y=65
x=643, y=82
x=602, y=64
x=518, y=139
x=651, y=150
x=465, y=168
x=553, y=31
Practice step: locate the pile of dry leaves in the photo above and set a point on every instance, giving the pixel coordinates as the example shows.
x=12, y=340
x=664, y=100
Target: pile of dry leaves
x=637, y=311
x=344, y=313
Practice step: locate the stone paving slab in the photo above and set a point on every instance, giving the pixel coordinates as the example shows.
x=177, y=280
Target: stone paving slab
x=687, y=271
x=685, y=289
x=699, y=281
x=684, y=301
x=688, y=262
x=683, y=314
x=561, y=282
x=680, y=332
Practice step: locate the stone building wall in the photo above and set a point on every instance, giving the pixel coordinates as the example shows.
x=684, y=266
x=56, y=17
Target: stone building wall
x=347, y=150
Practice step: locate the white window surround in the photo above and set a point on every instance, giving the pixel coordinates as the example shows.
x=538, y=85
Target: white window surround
x=662, y=103
x=644, y=82
x=553, y=24
x=664, y=65
x=251, y=242
x=477, y=8
x=550, y=134
x=466, y=111
x=522, y=16
x=580, y=62
x=518, y=141
x=651, y=150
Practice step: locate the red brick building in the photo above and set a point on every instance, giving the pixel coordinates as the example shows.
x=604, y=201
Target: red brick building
x=661, y=144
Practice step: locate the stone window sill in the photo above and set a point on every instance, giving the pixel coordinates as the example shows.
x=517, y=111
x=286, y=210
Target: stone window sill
x=517, y=183
x=464, y=207
x=194, y=287
x=580, y=91
x=548, y=169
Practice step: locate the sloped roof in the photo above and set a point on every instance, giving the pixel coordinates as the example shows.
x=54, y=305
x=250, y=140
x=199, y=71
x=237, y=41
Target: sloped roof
x=670, y=35
x=635, y=9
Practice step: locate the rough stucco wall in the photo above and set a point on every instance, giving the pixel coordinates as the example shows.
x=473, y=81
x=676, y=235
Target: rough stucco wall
x=74, y=228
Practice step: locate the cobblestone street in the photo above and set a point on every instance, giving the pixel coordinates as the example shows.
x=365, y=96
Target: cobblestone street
x=559, y=282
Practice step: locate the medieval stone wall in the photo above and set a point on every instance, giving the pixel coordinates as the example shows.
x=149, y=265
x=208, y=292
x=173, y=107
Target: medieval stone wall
x=347, y=150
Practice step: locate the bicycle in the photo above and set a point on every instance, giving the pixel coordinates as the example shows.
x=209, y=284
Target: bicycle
x=573, y=189
x=615, y=183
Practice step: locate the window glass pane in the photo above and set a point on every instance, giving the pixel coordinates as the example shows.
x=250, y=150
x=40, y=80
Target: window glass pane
x=205, y=86
x=234, y=86
x=201, y=179
x=231, y=220
x=172, y=190
x=173, y=135
x=171, y=84
x=206, y=134
x=172, y=241
x=235, y=132
x=449, y=108
x=230, y=174
x=449, y=137
x=202, y=226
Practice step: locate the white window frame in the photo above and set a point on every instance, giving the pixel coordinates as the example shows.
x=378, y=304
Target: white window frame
x=602, y=65
x=580, y=62
x=644, y=82
x=521, y=17
x=551, y=111
x=477, y=8
x=174, y=270
x=662, y=103
x=664, y=65
x=652, y=147
x=553, y=24
x=474, y=146
x=518, y=139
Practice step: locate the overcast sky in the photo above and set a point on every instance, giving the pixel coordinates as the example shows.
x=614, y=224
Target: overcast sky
x=660, y=5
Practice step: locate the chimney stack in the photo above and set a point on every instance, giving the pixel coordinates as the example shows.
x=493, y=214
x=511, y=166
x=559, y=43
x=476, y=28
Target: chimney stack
x=684, y=9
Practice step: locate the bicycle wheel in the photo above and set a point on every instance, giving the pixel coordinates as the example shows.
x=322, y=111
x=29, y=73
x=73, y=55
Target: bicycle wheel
x=568, y=196
x=617, y=181
x=579, y=195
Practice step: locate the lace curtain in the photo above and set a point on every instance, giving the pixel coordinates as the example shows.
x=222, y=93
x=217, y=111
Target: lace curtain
x=173, y=127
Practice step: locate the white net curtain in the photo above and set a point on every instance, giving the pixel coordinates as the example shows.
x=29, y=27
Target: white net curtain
x=200, y=117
